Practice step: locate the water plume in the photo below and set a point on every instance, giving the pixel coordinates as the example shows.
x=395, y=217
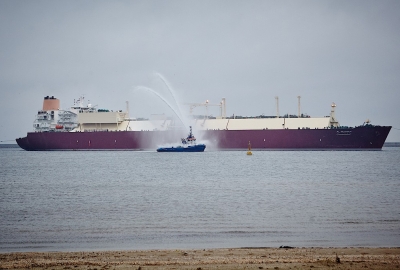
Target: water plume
x=177, y=113
x=170, y=89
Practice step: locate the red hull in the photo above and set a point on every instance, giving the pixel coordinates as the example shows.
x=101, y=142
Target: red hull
x=359, y=138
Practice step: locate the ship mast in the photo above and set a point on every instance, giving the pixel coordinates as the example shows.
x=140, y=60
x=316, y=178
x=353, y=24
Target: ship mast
x=277, y=106
x=298, y=105
x=223, y=108
x=333, y=122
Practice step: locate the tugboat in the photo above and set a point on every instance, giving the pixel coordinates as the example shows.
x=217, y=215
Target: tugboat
x=188, y=145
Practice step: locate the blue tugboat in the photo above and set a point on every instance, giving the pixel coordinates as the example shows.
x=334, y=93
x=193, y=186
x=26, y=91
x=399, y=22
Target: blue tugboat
x=188, y=145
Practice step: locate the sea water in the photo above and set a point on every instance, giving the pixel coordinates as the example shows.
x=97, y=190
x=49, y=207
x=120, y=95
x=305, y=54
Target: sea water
x=105, y=200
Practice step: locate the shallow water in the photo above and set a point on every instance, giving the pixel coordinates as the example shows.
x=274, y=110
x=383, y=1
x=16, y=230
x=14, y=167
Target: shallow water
x=148, y=200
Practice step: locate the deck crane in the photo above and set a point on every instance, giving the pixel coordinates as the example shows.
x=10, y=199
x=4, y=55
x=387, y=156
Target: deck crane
x=206, y=104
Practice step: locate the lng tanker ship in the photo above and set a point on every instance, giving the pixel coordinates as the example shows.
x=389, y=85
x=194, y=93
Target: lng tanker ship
x=84, y=127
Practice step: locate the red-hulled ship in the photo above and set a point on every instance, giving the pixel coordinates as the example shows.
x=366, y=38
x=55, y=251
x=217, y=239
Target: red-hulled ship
x=89, y=128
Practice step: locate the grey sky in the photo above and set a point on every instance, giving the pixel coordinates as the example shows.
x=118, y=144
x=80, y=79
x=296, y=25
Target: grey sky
x=345, y=52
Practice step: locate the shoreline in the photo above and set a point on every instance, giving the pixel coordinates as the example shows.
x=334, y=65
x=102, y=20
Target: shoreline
x=218, y=258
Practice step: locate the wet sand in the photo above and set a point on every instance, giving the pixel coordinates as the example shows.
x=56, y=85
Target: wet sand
x=232, y=258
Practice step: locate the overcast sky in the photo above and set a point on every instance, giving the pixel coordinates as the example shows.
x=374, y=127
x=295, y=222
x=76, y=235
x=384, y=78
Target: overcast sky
x=347, y=52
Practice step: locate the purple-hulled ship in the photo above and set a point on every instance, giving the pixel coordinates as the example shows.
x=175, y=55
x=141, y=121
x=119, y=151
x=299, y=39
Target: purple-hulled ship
x=89, y=128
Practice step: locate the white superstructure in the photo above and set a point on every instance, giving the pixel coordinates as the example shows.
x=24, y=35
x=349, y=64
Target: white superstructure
x=51, y=118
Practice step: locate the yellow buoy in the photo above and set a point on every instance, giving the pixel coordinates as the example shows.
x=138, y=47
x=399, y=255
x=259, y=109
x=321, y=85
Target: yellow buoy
x=249, y=153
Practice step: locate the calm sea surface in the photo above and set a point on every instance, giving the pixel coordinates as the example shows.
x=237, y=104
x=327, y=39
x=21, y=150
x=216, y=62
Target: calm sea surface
x=68, y=201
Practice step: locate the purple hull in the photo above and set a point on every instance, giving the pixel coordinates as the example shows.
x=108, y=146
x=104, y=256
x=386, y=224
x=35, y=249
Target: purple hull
x=365, y=137
x=359, y=138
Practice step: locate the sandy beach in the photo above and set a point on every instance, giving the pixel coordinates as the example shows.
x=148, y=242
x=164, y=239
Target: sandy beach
x=232, y=258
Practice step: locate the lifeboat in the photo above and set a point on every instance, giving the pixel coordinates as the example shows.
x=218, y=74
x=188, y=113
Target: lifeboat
x=59, y=127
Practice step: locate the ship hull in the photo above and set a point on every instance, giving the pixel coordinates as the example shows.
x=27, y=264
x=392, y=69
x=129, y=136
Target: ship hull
x=358, y=138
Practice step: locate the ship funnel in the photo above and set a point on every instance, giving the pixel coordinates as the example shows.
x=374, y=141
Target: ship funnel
x=51, y=104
